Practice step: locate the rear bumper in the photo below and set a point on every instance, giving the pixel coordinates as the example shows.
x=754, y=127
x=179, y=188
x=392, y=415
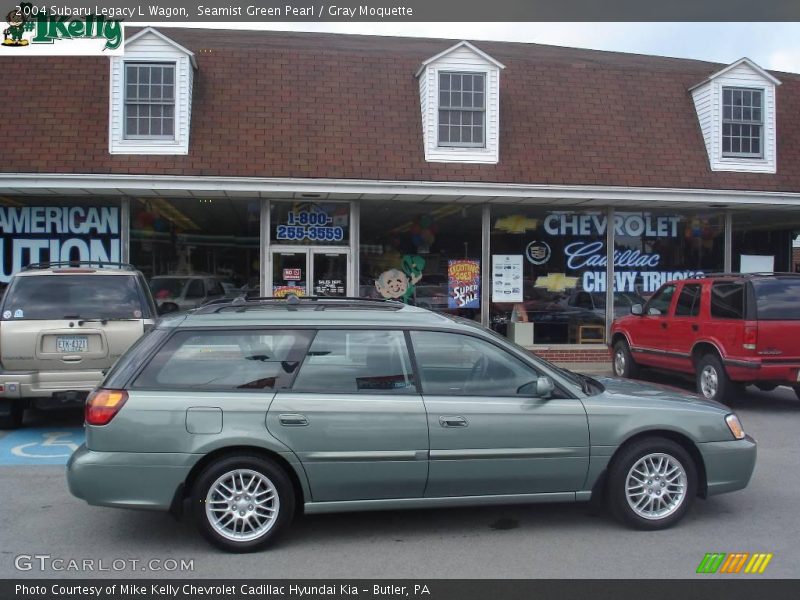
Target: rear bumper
x=44, y=384
x=729, y=465
x=758, y=370
x=127, y=480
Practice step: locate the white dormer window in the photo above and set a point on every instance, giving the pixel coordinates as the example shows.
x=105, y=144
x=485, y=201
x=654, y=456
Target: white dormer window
x=460, y=104
x=742, y=122
x=151, y=96
x=149, y=101
x=462, y=109
x=736, y=111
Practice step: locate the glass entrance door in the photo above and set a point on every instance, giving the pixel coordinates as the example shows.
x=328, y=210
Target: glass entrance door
x=289, y=273
x=329, y=273
x=309, y=272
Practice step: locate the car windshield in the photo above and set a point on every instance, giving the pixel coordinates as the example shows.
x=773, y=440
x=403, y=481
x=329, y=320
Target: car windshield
x=73, y=296
x=167, y=287
x=777, y=299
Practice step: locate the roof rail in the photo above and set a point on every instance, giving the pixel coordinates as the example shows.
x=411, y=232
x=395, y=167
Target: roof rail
x=756, y=274
x=101, y=264
x=292, y=302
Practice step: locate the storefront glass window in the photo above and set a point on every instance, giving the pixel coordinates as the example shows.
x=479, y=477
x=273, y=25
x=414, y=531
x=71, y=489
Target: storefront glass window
x=654, y=247
x=763, y=240
x=542, y=261
x=34, y=230
x=196, y=249
x=423, y=254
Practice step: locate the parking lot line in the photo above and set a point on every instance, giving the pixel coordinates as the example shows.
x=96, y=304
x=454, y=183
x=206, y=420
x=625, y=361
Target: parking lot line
x=40, y=446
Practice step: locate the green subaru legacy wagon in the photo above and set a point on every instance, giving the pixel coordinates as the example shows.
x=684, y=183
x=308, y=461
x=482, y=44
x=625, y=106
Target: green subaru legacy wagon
x=249, y=411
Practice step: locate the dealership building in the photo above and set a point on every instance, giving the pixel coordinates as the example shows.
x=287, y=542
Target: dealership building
x=538, y=190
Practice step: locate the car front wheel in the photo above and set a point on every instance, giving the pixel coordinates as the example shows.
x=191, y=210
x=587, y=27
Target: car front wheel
x=623, y=363
x=713, y=382
x=242, y=503
x=652, y=484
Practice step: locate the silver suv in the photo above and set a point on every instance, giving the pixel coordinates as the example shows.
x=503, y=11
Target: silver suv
x=62, y=326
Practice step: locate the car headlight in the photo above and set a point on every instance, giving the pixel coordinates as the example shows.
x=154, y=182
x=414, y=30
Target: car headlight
x=735, y=426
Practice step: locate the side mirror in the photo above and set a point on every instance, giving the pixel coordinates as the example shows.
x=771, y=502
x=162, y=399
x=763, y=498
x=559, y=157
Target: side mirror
x=541, y=388
x=167, y=307
x=637, y=309
x=544, y=387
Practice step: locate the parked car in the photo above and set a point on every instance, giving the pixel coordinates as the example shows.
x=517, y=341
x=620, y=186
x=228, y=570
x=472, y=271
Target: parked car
x=728, y=331
x=252, y=410
x=183, y=292
x=63, y=325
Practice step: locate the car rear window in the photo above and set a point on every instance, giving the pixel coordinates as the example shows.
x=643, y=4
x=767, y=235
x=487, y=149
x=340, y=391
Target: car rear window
x=777, y=299
x=74, y=297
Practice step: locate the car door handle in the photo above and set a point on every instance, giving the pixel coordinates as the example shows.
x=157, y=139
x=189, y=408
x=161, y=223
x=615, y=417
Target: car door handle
x=453, y=422
x=293, y=420
x=663, y=325
x=695, y=328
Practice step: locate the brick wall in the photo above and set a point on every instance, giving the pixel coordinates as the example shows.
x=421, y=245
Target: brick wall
x=569, y=355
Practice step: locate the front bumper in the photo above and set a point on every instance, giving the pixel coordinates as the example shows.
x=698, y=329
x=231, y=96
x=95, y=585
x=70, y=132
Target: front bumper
x=127, y=480
x=729, y=465
x=45, y=384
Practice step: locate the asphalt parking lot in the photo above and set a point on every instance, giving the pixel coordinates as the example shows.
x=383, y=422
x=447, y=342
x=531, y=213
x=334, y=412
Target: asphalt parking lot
x=40, y=517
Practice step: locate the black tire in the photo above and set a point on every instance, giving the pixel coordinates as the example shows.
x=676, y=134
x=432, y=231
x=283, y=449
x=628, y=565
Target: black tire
x=622, y=362
x=13, y=418
x=718, y=386
x=797, y=391
x=264, y=468
x=623, y=463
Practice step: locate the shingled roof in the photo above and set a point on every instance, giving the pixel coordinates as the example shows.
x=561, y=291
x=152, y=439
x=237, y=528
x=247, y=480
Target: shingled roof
x=274, y=104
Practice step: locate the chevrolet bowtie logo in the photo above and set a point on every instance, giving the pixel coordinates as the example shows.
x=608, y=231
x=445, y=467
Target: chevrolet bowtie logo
x=516, y=224
x=556, y=282
x=735, y=562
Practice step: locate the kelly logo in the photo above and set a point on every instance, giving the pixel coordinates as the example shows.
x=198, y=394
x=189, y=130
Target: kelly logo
x=30, y=26
x=735, y=562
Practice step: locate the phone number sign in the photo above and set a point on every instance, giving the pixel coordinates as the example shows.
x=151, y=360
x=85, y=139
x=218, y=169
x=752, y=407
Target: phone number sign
x=314, y=226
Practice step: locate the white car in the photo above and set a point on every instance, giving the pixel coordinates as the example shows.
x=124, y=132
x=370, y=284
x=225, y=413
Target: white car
x=183, y=292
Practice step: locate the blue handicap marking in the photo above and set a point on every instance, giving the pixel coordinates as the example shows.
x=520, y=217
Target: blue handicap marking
x=40, y=446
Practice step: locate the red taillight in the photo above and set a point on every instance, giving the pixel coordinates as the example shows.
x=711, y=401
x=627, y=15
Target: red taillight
x=750, y=337
x=103, y=405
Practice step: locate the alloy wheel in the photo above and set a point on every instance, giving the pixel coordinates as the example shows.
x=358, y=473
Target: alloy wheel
x=242, y=505
x=656, y=486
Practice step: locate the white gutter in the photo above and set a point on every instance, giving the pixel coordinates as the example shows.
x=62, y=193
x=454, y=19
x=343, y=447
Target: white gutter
x=11, y=183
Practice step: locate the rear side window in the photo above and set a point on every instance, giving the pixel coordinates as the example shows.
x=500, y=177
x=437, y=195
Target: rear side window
x=74, y=297
x=689, y=301
x=226, y=360
x=778, y=299
x=357, y=361
x=727, y=300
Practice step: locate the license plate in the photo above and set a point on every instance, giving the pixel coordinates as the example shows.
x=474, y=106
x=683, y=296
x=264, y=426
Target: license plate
x=72, y=343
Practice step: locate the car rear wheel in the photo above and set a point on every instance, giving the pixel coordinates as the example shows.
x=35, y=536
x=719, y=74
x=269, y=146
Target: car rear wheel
x=651, y=484
x=11, y=413
x=713, y=382
x=242, y=503
x=623, y=363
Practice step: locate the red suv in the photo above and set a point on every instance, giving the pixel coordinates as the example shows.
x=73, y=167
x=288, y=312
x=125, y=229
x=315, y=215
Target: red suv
x=727, y=330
